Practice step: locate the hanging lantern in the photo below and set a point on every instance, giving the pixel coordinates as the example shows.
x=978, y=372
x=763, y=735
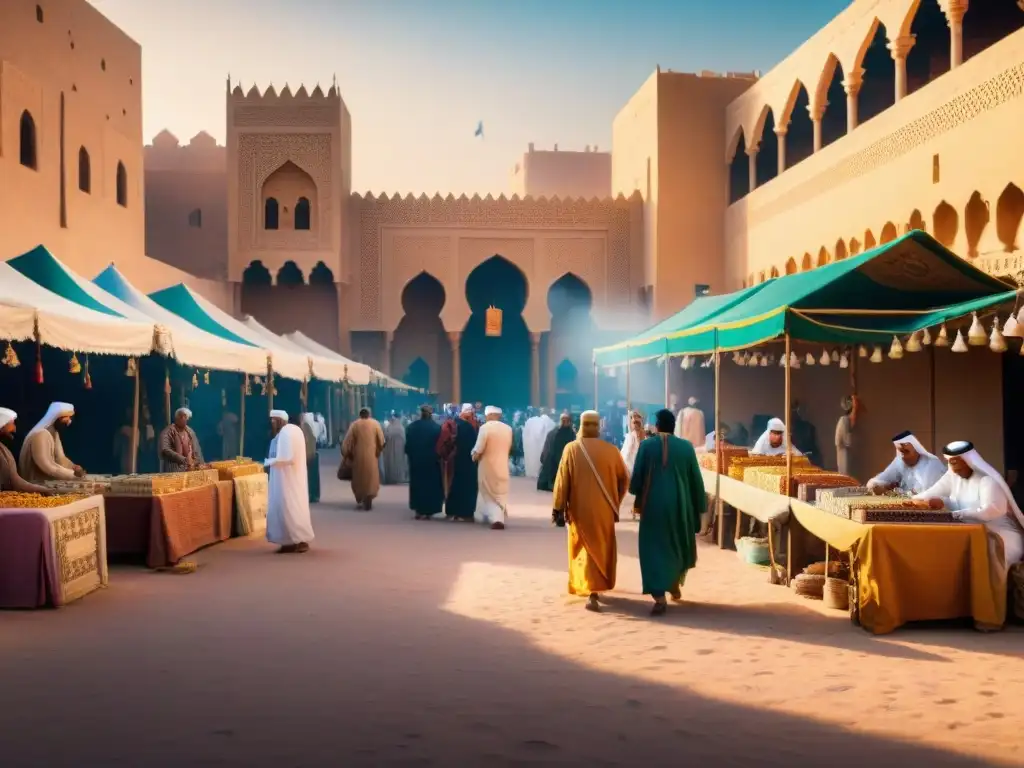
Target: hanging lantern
x=835, y=355
x=959, y=345
x=976, y=336
x=782, y=361
x=914, y=342
x=39, y=361
x=195, y=380
x=809, y=360
x=86, y=376
x=996, y=341
x=926, y=337
x=876, y=356
x=794, y=360
x=844, y=361
x=825, y=359
x=248, y=385
x=862, y=351
x=942, y=340
x=493, y=321
x=895, y=349
x=687, y=363
x=11, y=357
x=1010, y=330
x=74, y=367
x=132, y=368
x=766, y=360
x=206, y=378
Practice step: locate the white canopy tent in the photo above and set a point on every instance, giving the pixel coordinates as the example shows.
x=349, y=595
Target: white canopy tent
x=192, y=346
x=26, y=306
x=372, y=376
x=329, y=368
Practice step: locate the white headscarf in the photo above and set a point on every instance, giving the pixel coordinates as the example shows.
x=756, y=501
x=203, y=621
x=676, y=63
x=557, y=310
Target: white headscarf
x=692, y=402
x=6, y=417
x=764, y=441
x=492, y=410
x=54, y=412
x=467, y=408
x=912, y=440
x=186, y=411
x=973, y=460
x=309, y=418
x=278, y=414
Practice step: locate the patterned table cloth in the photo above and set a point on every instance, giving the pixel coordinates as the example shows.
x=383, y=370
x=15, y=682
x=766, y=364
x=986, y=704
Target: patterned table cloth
x=251, y=499
x=51, y=557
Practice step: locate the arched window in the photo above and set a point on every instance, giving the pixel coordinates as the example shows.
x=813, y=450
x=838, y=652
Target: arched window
x=122, y=185
x=195, y=219
x=84, y=171
x=302, y=213
x=29, y=154
x=270, y=212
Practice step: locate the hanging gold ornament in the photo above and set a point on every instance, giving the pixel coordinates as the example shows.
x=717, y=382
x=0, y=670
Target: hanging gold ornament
x=959, y=345
x=876, y=356
x=914, y=342
x=976, y=336
x=86, y=376
x=926, y=337
x=195, y=380
x=895, y=349
x=825, y=358
x=11, y=357
x=835, y=355
x=809, y=360
x=942, y=340
x=1012, y=329
x=862, y=351
x=996, y=342
x=794, y=361
x=248, y=385
x=74, y=367
x=844, y=361
x=206, y=378
x=766, y=360
x=132, y=368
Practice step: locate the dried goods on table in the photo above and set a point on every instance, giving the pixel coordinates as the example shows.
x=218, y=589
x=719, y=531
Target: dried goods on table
x=721, y=462
x=197, y=478
x=844, y=506
x=241, y=467
x=13, y=500
x=148, y=485
x=742, y=463
x=904, y=514
x=90, y=485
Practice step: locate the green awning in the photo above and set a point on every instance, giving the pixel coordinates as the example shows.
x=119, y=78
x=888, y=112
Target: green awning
x=43, y=268
x=181, y=301
x=909, y=284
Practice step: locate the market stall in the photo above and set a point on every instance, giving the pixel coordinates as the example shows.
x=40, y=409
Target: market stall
x=52, y=549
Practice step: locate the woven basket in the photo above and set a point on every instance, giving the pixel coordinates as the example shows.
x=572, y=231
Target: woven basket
x=810, y=586
x=753, y=551
x=836, y=594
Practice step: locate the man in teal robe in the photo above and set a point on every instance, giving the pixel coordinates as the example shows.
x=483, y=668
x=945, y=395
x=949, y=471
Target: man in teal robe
x=669, y=494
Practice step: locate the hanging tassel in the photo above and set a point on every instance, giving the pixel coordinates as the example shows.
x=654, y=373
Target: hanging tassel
x=876, y=356
x=862, y=351
x=132, y=369
x=914, y=342
x=825, y=359
x=976, y=336
x=835, y=355
x=942, y=340
x=809, y=360
x=996, y=342
x=206, y=378
x=195, y=380
x=1011, y=329
x=844, y=361
x=86, y=377
x=11, y=357
x=926, y=337
x=959, y=345
x=248, y=385
x=74, y=367
x=895, y=349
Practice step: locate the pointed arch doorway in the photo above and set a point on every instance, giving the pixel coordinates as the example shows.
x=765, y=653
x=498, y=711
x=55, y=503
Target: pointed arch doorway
x=569, y=344
x=421, y=353
x=496, y=369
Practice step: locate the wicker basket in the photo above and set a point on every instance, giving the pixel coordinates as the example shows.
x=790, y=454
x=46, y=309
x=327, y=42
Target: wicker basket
x=753, y=551
x=148, y=485
x=836, y=594
x=739, y=464
x=810, y=586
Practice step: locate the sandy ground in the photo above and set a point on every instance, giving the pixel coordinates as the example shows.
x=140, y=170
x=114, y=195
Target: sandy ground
x=396, y=642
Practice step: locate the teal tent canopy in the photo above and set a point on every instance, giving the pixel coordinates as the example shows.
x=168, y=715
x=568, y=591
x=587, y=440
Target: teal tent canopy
x=896, y=289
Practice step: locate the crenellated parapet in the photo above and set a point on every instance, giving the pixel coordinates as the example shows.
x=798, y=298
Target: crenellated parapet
x=270, y=96
x=464, y=202
x=201, y=154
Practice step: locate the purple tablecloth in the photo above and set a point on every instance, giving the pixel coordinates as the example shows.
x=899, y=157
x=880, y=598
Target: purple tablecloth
x=28, y=573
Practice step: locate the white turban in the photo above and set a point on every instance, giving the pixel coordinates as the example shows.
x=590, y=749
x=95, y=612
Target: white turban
x=692, y=401
x=186, y=411
x=467, y=408
x=776, y=425
x=6, y=417
x=279, y=414
x=54, y=412
x=492, y=410
x=763, y=444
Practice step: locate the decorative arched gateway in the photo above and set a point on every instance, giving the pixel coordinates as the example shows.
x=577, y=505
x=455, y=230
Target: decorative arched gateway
x=420, y=351
x=496, y=368
x=569, y=343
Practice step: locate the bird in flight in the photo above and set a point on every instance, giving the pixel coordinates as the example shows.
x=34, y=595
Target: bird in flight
x=479, y=129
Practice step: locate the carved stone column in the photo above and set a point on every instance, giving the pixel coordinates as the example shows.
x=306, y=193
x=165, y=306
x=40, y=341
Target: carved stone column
x=955, y=17
x=535, y=369
x=780, y=133
x=752, y=165
x=854, y=80
x=816, y=112
x=455, y=337
x=389, y=337
x=899, y=48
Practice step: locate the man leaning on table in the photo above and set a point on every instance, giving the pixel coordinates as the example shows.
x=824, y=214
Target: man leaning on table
x=976, y=493
x=42, y=454
x=913, y=470
x=179, y=445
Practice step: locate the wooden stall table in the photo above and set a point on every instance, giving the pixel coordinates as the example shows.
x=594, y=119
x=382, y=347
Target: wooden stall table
x=916, y=572
x=52, y=556
x=168, y=527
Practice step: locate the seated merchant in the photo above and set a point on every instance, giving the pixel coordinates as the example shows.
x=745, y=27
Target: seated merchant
x=711, y=442
x=912, y=471
x=179, y=445
x=42, y=454
x=10, y=480
x=773, y=441
x=975, y=493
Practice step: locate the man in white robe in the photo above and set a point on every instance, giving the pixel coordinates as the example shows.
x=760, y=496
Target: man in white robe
x=690, y=423
x=289, y=524
x=534, y=434
x=493, y=444
x=773, y=441
x=912, y=471
x=42, y=454
x=975, y=493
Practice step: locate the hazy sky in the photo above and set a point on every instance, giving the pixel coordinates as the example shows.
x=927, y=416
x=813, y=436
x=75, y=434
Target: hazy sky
x=417, y=75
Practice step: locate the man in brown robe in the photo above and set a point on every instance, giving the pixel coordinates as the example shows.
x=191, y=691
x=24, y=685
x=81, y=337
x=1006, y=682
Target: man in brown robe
x=179, y=445
x=589, y=488
x=361, y=450
x=10, y=480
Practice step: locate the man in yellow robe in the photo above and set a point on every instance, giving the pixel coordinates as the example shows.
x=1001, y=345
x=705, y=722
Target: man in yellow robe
x=590, y=485
x=361, y=450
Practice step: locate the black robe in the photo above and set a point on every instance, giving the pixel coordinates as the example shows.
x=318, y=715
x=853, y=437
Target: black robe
x=551, y=456
x=426, y=488
x=461, y=502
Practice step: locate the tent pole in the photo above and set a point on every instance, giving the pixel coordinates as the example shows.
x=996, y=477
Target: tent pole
x=629, y=399
x=241, y=418
x=135, y=419
x=931, y=397
x=330, y=413
x=270, y=385
x=668, y=378
x=789, y=453
x=719, y=507
x=596, y=394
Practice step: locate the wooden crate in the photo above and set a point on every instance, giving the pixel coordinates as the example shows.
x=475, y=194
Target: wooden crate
x=904, y=514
